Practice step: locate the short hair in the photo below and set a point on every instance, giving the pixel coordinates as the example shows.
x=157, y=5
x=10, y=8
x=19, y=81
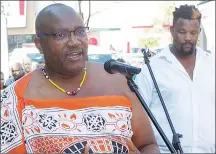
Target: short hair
x=186, y=12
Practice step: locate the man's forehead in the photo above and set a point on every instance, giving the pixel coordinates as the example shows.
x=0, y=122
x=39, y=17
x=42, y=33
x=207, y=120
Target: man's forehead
x=16, y=67
x=63, y=20
x=183, y=22
x=26, y=61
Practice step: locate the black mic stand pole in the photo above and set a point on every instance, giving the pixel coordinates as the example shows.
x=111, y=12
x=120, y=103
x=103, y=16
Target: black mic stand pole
x=134, y=88
x=175, y=141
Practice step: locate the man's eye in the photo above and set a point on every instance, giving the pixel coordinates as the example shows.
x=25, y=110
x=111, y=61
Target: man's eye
x=80, y=32
x=60, y=35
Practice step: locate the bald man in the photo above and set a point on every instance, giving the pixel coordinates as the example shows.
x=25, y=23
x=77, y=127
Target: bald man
x=72, y=105
x=17, y=72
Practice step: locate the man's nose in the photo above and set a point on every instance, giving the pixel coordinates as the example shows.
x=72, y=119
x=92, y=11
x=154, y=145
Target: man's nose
x=188, y=37
x=73, y=41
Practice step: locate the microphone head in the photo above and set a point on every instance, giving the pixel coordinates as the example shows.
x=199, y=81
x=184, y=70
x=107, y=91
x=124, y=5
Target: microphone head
x=112, y=66
x=107, y=66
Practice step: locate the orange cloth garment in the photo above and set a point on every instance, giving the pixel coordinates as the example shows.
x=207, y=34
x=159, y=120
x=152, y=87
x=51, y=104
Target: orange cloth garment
x=63, y=126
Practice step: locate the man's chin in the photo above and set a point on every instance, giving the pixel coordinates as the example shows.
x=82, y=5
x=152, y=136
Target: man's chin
x=16, y=79
x=186, y=53
x=75, y=68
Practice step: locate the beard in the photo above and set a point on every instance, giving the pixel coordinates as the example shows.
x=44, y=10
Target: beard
x=182, y=52
x=186, y=53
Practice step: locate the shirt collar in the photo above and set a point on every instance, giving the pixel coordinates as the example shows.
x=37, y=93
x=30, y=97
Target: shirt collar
x=167, y=54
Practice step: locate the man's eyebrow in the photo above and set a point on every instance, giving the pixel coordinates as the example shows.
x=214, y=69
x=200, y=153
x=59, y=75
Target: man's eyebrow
x=181, y=29
x=65, y=29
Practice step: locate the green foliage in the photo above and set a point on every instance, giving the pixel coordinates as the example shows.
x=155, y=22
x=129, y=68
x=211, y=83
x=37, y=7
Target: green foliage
x=149, y=42
x=168, y=13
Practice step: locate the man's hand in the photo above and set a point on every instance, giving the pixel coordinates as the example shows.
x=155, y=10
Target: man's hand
x=132, y=147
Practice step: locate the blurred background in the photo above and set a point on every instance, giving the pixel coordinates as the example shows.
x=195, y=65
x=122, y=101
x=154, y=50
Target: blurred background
x=118, y=29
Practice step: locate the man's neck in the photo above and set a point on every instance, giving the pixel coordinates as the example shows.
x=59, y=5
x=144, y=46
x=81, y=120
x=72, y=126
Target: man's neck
x=182, y=57
x=65, y=79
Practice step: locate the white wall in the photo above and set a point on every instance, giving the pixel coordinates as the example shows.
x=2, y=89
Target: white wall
x=14, y=19
x=114, y=38
x=208, y=22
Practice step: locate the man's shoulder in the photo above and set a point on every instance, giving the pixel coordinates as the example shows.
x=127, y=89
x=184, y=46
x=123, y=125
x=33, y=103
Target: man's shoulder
x=10, y=78
x=207, y=57
x=106, y=78
x=98, y=69
x=158, y=60
x=9, y=90
x=204, y=53
x=94, y=65
x=16, y=86
x=9, y=81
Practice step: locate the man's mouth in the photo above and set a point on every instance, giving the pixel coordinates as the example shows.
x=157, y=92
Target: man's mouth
x=187, y=45
x=75, y=55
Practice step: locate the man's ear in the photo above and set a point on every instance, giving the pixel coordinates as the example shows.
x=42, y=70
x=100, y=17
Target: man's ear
x=172, y=30
x=38, y=44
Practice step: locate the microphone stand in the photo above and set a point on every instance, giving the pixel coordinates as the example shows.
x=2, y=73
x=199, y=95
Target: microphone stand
x=175, y=141
x=134, y=88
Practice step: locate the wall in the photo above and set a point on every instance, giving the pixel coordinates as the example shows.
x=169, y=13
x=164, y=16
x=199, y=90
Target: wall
x=95, y=35
x=208, y=24
x=30, y=27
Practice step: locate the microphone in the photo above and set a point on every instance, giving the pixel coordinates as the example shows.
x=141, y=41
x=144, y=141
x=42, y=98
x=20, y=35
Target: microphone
x=112, y=66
